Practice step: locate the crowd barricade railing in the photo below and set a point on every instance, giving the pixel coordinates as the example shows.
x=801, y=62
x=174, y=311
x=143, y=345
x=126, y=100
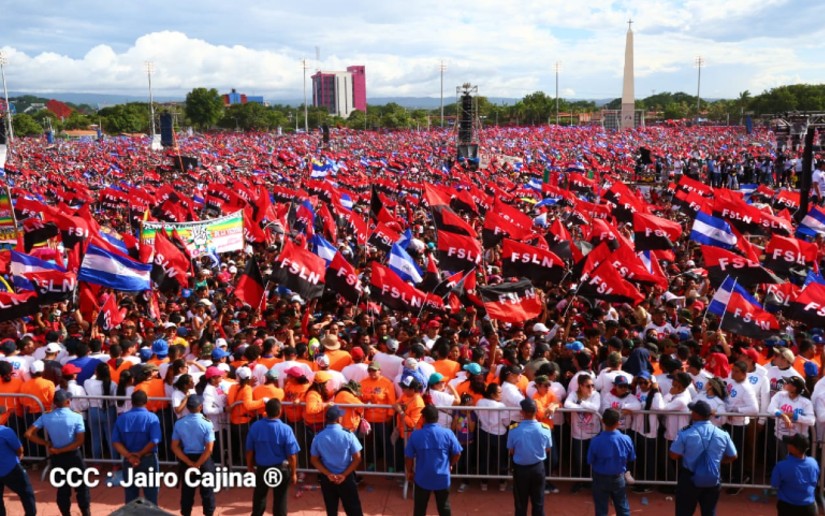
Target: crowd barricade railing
x=484, y=456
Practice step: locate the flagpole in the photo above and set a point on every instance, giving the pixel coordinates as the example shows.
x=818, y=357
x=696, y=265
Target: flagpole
x=705, y=314
x=733, y=288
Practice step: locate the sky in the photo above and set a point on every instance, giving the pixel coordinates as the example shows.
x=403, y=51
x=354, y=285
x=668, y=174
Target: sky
x=508, y=48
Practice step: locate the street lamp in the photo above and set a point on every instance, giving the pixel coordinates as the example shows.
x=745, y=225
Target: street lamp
x=699, y=62
x=442, y=68
x=306, y=109
x=558, y=65
x=10, y=130
x=150, y=67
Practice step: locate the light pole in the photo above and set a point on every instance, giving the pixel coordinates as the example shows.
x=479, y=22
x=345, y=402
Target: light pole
x=10, y=130
x=442, y=68
x=557, y=92
x=699, y=62
x=150, y=67
x=306, y=109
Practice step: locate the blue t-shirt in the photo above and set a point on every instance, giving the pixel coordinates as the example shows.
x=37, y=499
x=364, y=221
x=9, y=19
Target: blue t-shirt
x=610, y=452
x=432, y=447
x=272, y=442
x=795, y=480
x=9, y=444
x=135, y=428
x=194, y=432
x=530, y=441
x=335, y=447
x=698, y=437
x=62, y=426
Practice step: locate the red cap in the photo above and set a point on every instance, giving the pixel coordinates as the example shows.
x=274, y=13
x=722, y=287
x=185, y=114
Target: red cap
x=434, y=324
x=71, y=369
x=357, y=353
x=751, y=353
x=698, y=305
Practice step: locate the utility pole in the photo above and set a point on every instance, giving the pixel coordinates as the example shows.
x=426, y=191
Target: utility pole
x=306, y=109
x=442, y=68
x=150, y=67
x=8, y=117
x=699, y=62
x=557, y=92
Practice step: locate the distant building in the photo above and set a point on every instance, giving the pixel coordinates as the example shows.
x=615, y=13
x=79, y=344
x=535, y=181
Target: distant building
x=340, y=93
x=233, y=97
x=59, y=108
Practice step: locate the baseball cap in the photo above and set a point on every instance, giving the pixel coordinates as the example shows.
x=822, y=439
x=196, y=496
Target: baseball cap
x=219, y=353
x=751, y=354
x=322, y=360
x=411, y=363
x=357, y=352
x=160, y=348
x=272, y=374
x=701, y=407
x=374, y=366
x=37, y=367
x=295, y=372
x=243, y=373
x=472, y=368
x=788, y=355
x=435, y=378
x=322, y=376
x=644, y=375
x=8, y=346
x=392, y=344
x=145, y=354
x=71, y=369
x=52, y=347
x=574, y=346
x=540, y=328
x=220, y=342
x=333, y=414
x=212, y=372
x=620, y=381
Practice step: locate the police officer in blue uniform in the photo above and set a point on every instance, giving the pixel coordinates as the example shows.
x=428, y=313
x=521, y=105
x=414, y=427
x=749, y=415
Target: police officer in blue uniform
x=529, y=443
x=135, y=436
x=12, y=474
x=192, y=440
x=66, y=432
x=608, y=455
x=795, y=479
x=431, y=452
x=271, y=444
x=336, y=453
x=701, y=449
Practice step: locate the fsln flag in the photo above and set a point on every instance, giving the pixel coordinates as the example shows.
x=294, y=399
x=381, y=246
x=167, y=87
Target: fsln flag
x=107, y=269
x=250, y=287
x=710, y=230
x=512, y=302
x=722, y=296
x=744, y=318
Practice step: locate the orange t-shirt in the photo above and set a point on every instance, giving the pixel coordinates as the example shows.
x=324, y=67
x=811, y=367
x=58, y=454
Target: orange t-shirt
x=154, y=388
x=11, y=403
x=542, y=402
x=448, y=368
x=379, y=392
x=338, y=359
x=309, y=363
x=314, y=410
x=242, y=413
x=294, y=393
x=269, y=362
x=41, y=389
x=411, y=418
x=270, y=391
x=464, y=388
x=352, y=415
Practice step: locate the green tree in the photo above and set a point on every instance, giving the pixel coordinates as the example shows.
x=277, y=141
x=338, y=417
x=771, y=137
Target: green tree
x=357, y=120
x=125, y=118
x=536, y=108
x=204, y=107
x=676, y=111
x=26, y=125
x=77, y=121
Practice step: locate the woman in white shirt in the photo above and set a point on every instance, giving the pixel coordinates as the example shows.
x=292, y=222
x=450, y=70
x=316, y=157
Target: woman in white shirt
x=183, y=387
x=584, y=425
x=102, y=412
x=492, y=435
x=511, y=396
x=125, y=388
x=715, y=394
x=645, y=429
x=793, y=412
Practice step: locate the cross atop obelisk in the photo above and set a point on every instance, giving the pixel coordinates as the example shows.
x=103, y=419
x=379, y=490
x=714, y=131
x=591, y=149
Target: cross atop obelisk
x=628, y=90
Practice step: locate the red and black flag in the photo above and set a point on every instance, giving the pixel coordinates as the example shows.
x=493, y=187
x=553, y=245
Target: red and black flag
x=445, y=219
x=358, y=227
x=652, y=232
x=497, y=227
x=691, y=185
x=522, y=260
x=342, y=279
x=743, y=216
x=53, y=286
x=721, y=263
x=383, y=237
x=432, y=277
x=783, y=254
x=746, y=319
x=457, y=252
x=512, y=302
x=809, y=306
x=36, y=231
x=787, y=199
x=300, y=271
x=692, y=201
x=393, y=292
x=250, y=287
x=779, y=297
x=15, y=306
x=169, y=265
x=605, y=282
x=110, y=316
x=513, y=214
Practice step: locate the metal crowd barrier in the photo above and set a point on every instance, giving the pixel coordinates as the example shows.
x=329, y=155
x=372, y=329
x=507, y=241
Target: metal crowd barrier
x=484, y=457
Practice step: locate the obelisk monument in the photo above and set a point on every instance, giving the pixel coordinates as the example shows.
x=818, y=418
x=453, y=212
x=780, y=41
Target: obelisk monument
x=628, y=91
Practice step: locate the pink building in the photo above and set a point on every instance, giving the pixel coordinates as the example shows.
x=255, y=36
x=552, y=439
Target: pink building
x=340, y=93
x=359, y=87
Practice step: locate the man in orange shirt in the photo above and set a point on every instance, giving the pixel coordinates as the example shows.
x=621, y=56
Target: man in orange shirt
x=377, y=389
x=448, y=368
x=348, y=395
x=242, y=409
x=154, y=387
x=43, y=391
x=268, y=390
x=338, y=358
x=9, y=384
x=408, y=410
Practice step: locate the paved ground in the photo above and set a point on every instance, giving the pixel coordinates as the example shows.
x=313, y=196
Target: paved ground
x=383, y=496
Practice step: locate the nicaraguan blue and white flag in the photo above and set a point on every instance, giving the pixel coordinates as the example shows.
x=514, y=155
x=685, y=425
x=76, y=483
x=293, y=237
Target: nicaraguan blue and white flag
x=346, y=201
x=710, y=230
x=405, y=239
x=720, y=300
x=323, y=248
x=100, y=267
x=549, y=201
x=813, y=222
x=401, y=263
x=535, y=184
x=813, y=277
x=22, y=263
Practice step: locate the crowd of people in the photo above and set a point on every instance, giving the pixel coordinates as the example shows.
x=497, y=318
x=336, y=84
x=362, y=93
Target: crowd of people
x=355, y=377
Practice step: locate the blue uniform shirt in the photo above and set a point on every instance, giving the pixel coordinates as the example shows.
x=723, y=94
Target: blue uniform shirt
x=610, y=452
x=691, y=441
x=335, y=447
x=87, y=367
x=9, y=444
x=272, y=442
x=135, y=428
x=530, y=441
x=193, y=431
x=432, y=447
x=795, y=480
x=62, y=426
